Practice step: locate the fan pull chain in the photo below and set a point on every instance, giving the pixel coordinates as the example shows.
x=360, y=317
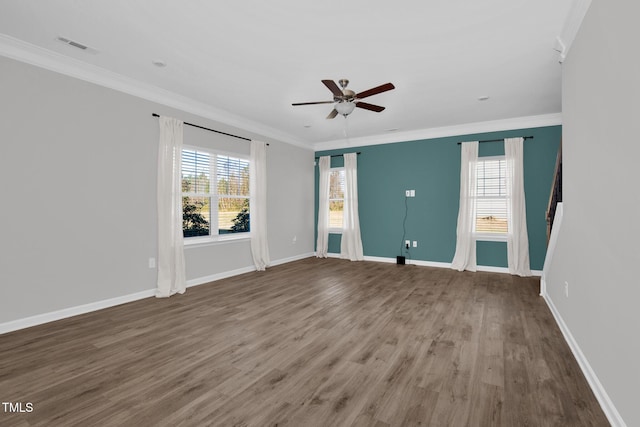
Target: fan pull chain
x=346, y=129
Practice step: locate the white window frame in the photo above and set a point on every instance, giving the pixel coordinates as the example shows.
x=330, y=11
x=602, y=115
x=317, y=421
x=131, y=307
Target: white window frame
x=214, y=237
x=488, y=237
x=335, y=230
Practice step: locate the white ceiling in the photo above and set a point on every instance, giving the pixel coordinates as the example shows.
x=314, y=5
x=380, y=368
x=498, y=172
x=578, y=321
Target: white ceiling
x=245, y=62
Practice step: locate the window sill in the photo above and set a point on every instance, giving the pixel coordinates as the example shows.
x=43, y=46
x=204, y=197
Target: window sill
x=490, y=237
x=335, y=231
x=195, y=242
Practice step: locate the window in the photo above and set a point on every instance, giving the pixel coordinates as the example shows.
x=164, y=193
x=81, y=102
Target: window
x=336, y=199
x=491, y=196
x=215, y=194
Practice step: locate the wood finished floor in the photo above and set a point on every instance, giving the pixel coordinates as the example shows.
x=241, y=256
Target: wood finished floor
x=309, y=343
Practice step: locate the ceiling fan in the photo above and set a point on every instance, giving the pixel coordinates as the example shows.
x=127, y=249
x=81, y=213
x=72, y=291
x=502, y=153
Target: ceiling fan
x=346, y=100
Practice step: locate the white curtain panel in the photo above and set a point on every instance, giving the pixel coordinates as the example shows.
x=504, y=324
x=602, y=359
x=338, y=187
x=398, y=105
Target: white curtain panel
x=351, y=244
x=258, y=210
x=517, y=238
x=171, y=273
x=322, y=244
x=465, y=256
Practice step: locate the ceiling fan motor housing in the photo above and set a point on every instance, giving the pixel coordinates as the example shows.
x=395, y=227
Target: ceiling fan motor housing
x=347, y=96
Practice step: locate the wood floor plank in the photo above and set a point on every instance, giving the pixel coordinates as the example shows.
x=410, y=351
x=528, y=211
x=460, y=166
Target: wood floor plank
x=519, y=406
x=486, y=407
x=316, y=342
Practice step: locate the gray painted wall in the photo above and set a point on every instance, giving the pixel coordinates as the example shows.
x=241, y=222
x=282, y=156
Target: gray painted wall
x=78, y=191
x=598, y=252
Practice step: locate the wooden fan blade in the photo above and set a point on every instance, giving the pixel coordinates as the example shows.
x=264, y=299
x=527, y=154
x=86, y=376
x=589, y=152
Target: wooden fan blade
x=312, y=103
x=374, y=91
x=333, y=87
x=332, y=114
x=371, y=107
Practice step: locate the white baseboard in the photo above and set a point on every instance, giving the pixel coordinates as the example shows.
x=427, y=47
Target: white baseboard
x=607, y=405
x=52, y=316
x=380, y=259
x=39, y=319
x=409, y=261
x=292, y=259
x=332, y=255
x=219, y=276
x=491, y=269
x=422, y=263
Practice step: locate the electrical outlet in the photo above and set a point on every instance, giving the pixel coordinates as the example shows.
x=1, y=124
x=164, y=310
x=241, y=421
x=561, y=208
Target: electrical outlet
x=407, y=243
x=415, y=243
x=152, y=262
x=407, y=193
x=294, y=240
x=412, y=193
x=566, y=289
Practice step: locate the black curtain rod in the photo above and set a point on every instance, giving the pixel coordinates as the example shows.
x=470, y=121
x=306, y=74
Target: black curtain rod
x=211, y=130
x=338, y=155
x=498, y=140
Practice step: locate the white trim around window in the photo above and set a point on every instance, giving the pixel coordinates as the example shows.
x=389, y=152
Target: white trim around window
x=212, y=193
x=490, y=237
x=194, y=242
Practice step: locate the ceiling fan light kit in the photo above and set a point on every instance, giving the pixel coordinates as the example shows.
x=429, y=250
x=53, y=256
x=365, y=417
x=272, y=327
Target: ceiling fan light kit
x=345, y=107
x=346, y=100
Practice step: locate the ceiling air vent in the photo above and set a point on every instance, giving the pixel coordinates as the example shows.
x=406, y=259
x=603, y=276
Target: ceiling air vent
x=76, y=44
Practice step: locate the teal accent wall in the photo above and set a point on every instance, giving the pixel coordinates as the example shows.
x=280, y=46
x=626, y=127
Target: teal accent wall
x=432, y=168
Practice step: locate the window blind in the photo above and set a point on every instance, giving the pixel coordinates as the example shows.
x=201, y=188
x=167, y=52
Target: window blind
x=196, y=172
x=232, y=176
x=491, y=196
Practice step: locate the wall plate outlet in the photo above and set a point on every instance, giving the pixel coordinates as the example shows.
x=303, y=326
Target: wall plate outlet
x=407, y=193
x=152, y=262
x=407, y=243
x=415, y=243
x=412, y=193
x=566, y=289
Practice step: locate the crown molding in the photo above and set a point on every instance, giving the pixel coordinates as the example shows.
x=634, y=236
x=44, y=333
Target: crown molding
x=22, y=51
x=572, y=24
x=442, y=132
x=31, y=54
